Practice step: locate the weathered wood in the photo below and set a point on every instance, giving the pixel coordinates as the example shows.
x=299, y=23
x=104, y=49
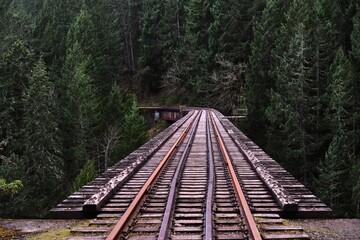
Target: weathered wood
x=283, y=198
x=280, y=228
x=286, y=236
x=96, y=201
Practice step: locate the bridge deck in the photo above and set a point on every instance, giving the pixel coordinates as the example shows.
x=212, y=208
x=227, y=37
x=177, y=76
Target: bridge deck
x=269, y=188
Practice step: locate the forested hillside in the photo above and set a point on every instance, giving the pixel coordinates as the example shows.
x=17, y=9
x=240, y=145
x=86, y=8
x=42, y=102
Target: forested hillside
x=72, y=72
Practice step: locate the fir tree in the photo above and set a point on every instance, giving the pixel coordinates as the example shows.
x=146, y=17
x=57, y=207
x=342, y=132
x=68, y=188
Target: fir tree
x=288, y=110
x=16, y=24
x=339, y=113
x=258, y=78
x=79, y=107
x=113, y=115
x=333, y=171
x=198, y=19
x=152, y=11
x=42, y=157
x=134, y=130
x=225, y=39
x=171, y=31
x=87, y=174
x=355, y=56
x=15, y=66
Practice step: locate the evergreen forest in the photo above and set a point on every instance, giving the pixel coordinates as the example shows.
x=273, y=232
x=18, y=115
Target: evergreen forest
x=73, y=73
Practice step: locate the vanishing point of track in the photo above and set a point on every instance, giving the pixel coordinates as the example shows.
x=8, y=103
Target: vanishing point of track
x=200, y=181
x=185, y=181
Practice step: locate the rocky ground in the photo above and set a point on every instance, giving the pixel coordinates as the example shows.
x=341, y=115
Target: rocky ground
x=324, y=229
x=37, y=228
x=330, y=229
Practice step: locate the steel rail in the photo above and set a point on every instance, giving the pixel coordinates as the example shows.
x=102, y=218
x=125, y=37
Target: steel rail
x=169, y=210
x=244, y=207
x=210, y=191
x=125, y=218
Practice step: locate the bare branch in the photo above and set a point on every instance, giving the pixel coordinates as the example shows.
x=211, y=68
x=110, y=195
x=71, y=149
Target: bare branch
x=110, y=140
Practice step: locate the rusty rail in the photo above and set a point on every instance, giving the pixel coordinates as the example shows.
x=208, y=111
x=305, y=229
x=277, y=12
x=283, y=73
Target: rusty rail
x=97, y=200
x=169, y=210
x=244, y=207
x=211, y=181
x=131, y=210
x=283, y=198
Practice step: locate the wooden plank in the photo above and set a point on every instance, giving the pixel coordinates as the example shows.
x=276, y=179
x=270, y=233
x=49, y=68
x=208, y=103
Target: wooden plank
x=285, y=236
x=280, y=228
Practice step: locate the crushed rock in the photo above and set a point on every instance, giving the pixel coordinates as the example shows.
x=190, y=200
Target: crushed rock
x=330, y=229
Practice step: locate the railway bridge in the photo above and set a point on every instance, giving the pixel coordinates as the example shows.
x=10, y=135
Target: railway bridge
x=201, y=178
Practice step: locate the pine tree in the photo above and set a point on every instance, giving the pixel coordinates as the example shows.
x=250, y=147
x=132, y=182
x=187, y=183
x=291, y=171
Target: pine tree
x=325, y=39
x=335, y=169
x=15, y=66
x=258, y=78
x=79, y=107
x=152, y=11
x=134, y=130
x=87, y=174
x=113, y=116
x=198, y=20
x=16, y=24
x=42, y=156
x=172, y=30
x=288, y=110
x=341, y=93
x=51, y=28
x=82, y=31
x=355, y=57
x=129, y=20
x=225, y=39
x=325, y=43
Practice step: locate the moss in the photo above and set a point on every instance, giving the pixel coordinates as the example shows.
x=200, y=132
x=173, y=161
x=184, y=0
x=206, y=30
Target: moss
x=286, y=222
x=52, y=234
x=58, y=233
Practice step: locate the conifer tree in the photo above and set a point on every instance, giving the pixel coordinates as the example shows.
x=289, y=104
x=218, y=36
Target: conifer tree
x=15, y=66
x=113, y=115
x=79, y=107
x=51, y=28
x=16, y=23
x=335, y=169
x=152, y=12
x=325, y=39
x=355, y=56
x=172, y=30
x=288, y=109
x=42, y=157
x=198, y=19
x=134, y=130
x=88, y=173
x=225, y=39
x=82, y=31
x=258, y=78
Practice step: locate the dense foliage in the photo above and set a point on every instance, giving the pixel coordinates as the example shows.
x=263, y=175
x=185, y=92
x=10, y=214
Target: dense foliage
x=68, y=70
x=62, y=98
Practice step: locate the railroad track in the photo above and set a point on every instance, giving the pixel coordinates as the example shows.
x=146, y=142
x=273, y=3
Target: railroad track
x=196, y=182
